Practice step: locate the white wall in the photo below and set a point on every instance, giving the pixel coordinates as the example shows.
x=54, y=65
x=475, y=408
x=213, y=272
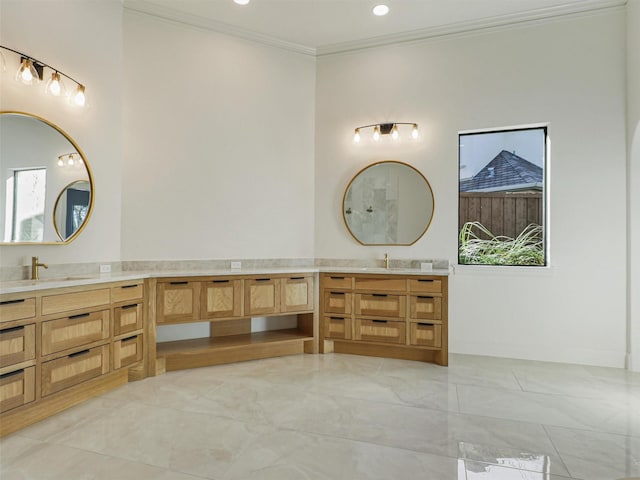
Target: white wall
x=84, y=40
x=568, y=73
x=218, y=146
x=633, y=142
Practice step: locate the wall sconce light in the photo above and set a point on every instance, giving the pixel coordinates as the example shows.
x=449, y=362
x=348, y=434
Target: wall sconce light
x=31, y=71
x=69, y=159
x=386, y=129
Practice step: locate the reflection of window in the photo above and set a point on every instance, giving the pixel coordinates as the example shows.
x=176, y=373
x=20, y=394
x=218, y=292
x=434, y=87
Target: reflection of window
x=29, y=188
x=502, y=197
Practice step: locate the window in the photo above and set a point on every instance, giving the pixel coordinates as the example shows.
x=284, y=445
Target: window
x=501, y=202
x=26, y=205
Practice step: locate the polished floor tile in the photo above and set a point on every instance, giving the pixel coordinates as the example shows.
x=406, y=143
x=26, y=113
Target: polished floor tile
x=346, y=417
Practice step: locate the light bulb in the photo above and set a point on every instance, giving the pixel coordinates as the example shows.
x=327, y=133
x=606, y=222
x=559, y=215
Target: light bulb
x=70, y=161
x=60, y=162
x=394, y=132
x=55, y=86
x=376, y=133
x=79, y=98
x=356, y=136
x=414, y=132
x=242, y=2
x=380, y=10
x=27, y=73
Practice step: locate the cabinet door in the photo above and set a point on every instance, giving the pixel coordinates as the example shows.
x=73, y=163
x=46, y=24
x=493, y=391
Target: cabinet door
x=384, y=331
x=17, y=388
x=297, y=294
x=178, y=301
x=425, y=307
x=337, y=302
x=261, y=296
x=426, y=334
x=17, y=344
x=337, y=327
x=222, y=298
x=127, y=318
x=73, y=369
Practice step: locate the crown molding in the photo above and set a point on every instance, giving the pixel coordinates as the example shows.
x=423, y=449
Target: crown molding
x=141, y=6
x=542, y=14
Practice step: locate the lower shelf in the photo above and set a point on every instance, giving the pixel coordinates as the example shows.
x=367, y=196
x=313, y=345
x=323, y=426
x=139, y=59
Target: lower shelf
x=403, y=352
x=200, y=352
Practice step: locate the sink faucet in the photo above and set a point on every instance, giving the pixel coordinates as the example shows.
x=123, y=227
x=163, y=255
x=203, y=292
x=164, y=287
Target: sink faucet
x=34, y=267
x=386, y=260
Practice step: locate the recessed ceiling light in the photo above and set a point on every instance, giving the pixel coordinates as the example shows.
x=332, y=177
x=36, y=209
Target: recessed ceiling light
x=242, y=2
x=380, y=10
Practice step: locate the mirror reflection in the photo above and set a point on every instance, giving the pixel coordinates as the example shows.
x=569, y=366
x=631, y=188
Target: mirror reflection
x=70, y=210
x=39, y=163
x=388, y=203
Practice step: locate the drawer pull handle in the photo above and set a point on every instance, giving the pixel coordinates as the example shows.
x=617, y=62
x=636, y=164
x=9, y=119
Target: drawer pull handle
x=11, y=374
x=423, y=296
x=220, y=281
x=336, y=318
x=379, y=321
x=296, y=278
x=77, y=354
x=425, y=324
x=127, y=307
x=337, y=293
x=178, y=283
x=379, y=295
x=14, y=329
x=128, y=339
x=263, y=279
x=81, y=315
x=426, y=280
x=336, y=278
x=12, y=302
x=129, y=286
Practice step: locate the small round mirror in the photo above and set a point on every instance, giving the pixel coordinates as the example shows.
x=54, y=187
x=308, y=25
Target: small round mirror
x=388, y=203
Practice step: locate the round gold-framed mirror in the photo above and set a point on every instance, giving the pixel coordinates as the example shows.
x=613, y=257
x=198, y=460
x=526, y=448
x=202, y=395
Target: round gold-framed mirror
x=388, y=203
x=38, y=161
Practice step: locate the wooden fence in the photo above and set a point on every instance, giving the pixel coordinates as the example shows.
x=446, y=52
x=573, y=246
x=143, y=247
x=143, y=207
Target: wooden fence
x=502, y=213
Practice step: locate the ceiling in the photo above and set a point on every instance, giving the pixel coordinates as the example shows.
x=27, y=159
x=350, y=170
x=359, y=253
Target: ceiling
x=318, y=27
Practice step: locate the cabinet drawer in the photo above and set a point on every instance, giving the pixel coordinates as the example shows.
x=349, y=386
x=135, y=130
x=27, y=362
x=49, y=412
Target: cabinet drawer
x=17, y=388
x=337, y=327
x=127, y=318
x=297, y=293
x=380, y=305
x=425, y=285
x=382, y=284
x=337, y=281
x=127, y=351
x=17, y=344
x=337, y=302
x=73, y=301
x=73, y=369
x=425, y=307
x=74, y=331
x=17, y=309
x=125, y=293
x=386, y=331
x=425, y=334
x=222, y=298
x=262, y=296
x=178, y=301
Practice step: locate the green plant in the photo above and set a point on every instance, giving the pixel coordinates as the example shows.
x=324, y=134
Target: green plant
x=526, y=249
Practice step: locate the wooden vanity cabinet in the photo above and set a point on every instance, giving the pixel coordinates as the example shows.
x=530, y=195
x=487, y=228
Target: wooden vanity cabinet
x=229, y=303
x=388, y=315
x=61, y=346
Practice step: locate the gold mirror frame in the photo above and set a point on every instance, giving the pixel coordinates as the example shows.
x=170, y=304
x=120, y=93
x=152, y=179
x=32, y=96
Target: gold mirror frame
x=89, y=174
x=355, y=177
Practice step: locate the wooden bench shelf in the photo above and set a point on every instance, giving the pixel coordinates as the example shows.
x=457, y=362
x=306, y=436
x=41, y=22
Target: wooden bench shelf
x=200, y=352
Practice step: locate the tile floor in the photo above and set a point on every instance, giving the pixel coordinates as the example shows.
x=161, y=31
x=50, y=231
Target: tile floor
x=346, y=417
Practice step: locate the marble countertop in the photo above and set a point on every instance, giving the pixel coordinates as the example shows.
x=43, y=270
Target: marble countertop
x=17, y=286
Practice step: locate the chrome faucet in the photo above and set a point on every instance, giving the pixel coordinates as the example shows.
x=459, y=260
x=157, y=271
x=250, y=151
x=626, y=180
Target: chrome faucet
x=34, y=267
x=386, y=260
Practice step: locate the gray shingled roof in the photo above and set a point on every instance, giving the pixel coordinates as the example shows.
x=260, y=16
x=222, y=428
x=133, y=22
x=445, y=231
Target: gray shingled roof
x=505, y=170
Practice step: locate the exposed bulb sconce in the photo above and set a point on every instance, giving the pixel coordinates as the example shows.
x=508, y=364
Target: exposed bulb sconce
x=69, y=159
x=386, y=129
x=31, y=71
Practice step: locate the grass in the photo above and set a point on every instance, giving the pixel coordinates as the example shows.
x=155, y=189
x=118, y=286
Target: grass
x=526, y=249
